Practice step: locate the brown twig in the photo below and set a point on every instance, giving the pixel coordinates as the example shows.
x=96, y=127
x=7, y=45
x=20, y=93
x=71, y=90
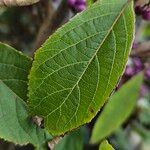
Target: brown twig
x=141, y=2
x=8, y=3
x=44, y=27
x=54, y=141
x=52, y=21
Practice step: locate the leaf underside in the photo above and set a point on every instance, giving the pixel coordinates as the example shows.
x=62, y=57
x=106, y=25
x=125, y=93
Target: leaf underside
x=117, y=110
x=77, y=68
x=15, y=125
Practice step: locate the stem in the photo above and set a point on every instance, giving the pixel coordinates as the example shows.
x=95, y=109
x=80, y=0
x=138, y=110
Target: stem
x=55, y=141
x=8, y=3
x=45, y=27
x=53, y=21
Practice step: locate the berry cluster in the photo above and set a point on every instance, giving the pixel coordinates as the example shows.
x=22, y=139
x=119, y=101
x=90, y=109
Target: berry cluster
x=134, y=66
x=143, y=11
x=77, y=5
x=147, y=73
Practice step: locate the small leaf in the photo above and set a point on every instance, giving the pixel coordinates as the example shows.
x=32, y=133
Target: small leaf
x=15, y=125
x=116, y=111
x=73, y=141
x=77, y=68
x=105, y=146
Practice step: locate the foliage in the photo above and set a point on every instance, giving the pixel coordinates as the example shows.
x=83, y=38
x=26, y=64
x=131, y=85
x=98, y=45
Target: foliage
x=15, y=124
x=116, y=111
x=73, y=141
x=77, y=68
x=14, y=69
x=105, y=146
x=78, y=73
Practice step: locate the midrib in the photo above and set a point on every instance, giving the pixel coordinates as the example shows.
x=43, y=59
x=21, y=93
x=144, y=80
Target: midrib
x=109, y=31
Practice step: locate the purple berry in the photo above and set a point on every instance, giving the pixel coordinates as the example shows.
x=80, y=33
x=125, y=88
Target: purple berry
x=134, y=67
x=138, y=10
x=80, y=7
x=129, y=71
x=71, y=3
x=144, y=90
x=135, y=45
x=79, y=2
x=146, y=14
x=138, y=66
x=77, y=5
x=137, y=62
x=147, y=73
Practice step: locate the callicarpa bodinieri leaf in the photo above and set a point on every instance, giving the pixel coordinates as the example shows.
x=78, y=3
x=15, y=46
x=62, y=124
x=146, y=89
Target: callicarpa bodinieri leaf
x=77, y=68
x=14, y=70
x=15, y=124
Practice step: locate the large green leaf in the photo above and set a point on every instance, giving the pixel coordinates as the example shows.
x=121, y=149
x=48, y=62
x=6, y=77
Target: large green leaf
x=117, y=109
x=15, y=125
x=14, y=70
x=77, y=68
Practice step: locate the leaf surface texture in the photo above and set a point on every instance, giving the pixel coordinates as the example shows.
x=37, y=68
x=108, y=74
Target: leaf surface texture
x=77, y=68
x=15, y=125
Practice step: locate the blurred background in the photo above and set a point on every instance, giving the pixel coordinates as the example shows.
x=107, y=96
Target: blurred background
x=26, y=28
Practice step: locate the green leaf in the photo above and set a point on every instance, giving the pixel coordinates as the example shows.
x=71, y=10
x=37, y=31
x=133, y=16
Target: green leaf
x=105, y=146
x=116, y=111
x=73, y=141
x=14, y=70
x=77, y=68
x=15, y=125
